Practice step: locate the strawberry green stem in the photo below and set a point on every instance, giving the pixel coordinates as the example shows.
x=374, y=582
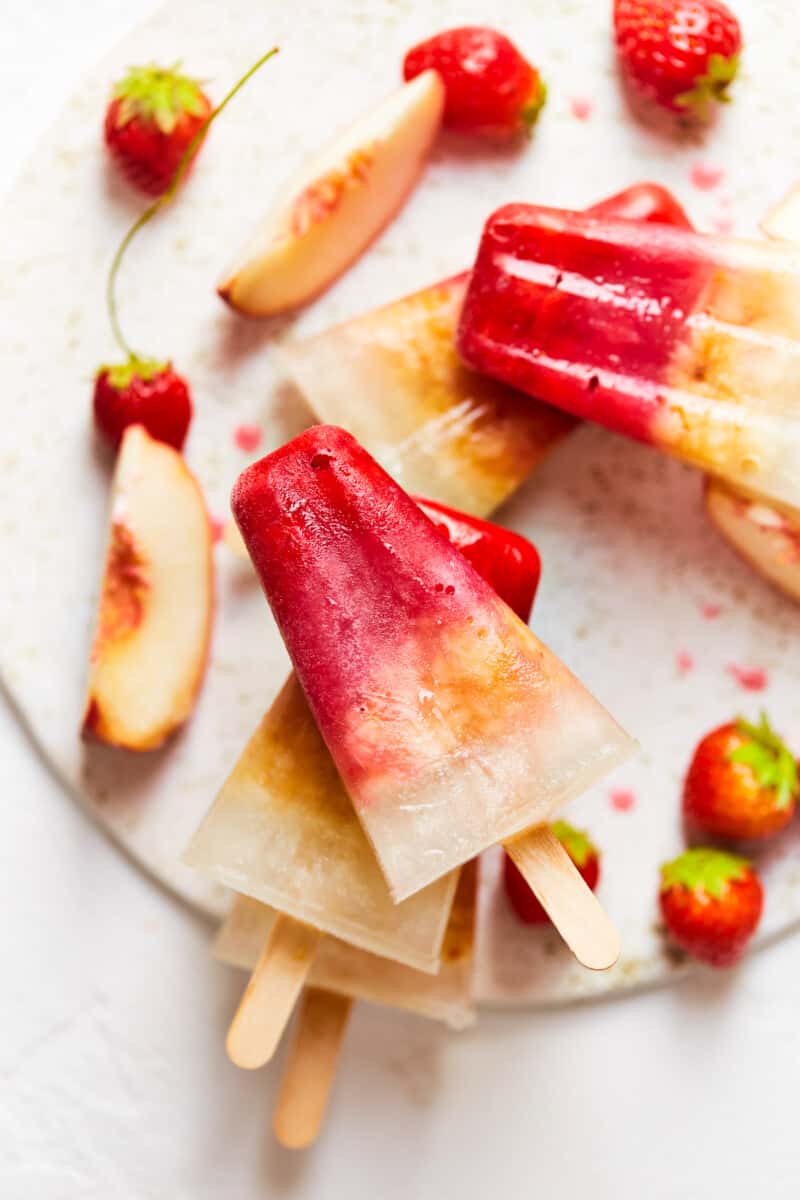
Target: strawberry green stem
x=162, y=201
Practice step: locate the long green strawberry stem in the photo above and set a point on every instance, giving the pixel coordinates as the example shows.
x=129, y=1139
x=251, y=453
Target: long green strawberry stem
x=161, y=202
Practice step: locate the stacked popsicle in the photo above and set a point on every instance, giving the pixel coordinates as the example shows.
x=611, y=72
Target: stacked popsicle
x=425, y=723
x=685, y=341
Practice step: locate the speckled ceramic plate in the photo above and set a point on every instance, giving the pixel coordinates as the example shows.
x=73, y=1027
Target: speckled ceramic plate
x=639, y=595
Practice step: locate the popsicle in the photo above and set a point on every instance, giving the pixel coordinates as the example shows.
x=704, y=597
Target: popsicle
x=688, y=342
x=341, y=974
x=283, y=830
x=394, y=379
x=451, y=725
x=348, y=970
x=510, y=564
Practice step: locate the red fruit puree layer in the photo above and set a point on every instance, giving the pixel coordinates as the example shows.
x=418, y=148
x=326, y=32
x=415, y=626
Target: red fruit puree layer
x=584, y=313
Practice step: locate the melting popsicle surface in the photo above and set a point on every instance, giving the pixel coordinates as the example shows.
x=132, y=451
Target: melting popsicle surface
x=283, y=831
x=685, y=341
x=451, y=725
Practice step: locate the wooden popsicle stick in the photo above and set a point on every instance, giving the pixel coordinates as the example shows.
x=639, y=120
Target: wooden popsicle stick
x=569, y=903
x=310, y=1068
x=270, y=995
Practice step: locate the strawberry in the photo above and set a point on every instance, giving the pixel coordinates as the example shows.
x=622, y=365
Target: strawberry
x=681, y=54
x=152, y=119
x=142, y=392
x=583, y=853
x=490, y=89
x=742, y=782
x=711, y=903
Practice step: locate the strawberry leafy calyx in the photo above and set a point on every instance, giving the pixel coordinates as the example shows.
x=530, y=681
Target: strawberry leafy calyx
x=158, y=95
x=704, y=870
x=712, y=86
x=530, y=112
x=769, y=758
x=577, y=844
x=120, y=375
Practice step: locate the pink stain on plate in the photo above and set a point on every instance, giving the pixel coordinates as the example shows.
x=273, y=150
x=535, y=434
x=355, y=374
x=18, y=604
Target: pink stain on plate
x=684, y=662
x=622, y=799
x=247, y=438
x=752, y=679
x=217, y=529
x=710, y=611
x=723, y=224
x=706, y=176
x=581, y=107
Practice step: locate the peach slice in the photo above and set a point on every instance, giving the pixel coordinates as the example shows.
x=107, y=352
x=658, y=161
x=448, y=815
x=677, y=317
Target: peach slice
x=337, y=204
x=782, y=222
x=768, y=537
x=442, y=430
x=765, y=534
x=156, y=599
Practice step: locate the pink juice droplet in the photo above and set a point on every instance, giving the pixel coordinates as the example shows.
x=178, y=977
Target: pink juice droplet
x=247, y=438
x=622, y=799
x=217, y=528
x=752, y=679
x=684, y=662
x=723, y=223
x=710, y=611
x=581, y=107
x=706, y=176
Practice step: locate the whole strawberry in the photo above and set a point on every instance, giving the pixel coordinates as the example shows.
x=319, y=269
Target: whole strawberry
x=490, y=89
x=583, y=853
x=142, y=392
x=681, y=54
x=742, y=782
x=152, y=119
x=711, y=903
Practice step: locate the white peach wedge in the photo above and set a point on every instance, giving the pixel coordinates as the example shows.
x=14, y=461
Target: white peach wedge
x=156, y=599
x=327, y=216
x=767, y=536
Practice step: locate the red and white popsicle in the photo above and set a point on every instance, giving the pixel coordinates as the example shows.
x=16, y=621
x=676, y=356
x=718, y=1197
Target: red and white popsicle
x=452, y=726
x=688, y=342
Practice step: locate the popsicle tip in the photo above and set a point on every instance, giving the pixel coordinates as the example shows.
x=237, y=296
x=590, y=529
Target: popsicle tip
x=290, y=1136
x=602, y=951
x=244, y=1053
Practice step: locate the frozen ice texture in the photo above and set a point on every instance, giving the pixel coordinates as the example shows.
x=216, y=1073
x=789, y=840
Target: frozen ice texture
x=394, y=379
x=283, y=831
x=343, y=968
x=452, y=726
x=685, y=341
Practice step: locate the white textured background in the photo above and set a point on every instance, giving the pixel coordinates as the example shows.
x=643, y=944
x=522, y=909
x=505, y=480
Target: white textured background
x=113, y=1080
